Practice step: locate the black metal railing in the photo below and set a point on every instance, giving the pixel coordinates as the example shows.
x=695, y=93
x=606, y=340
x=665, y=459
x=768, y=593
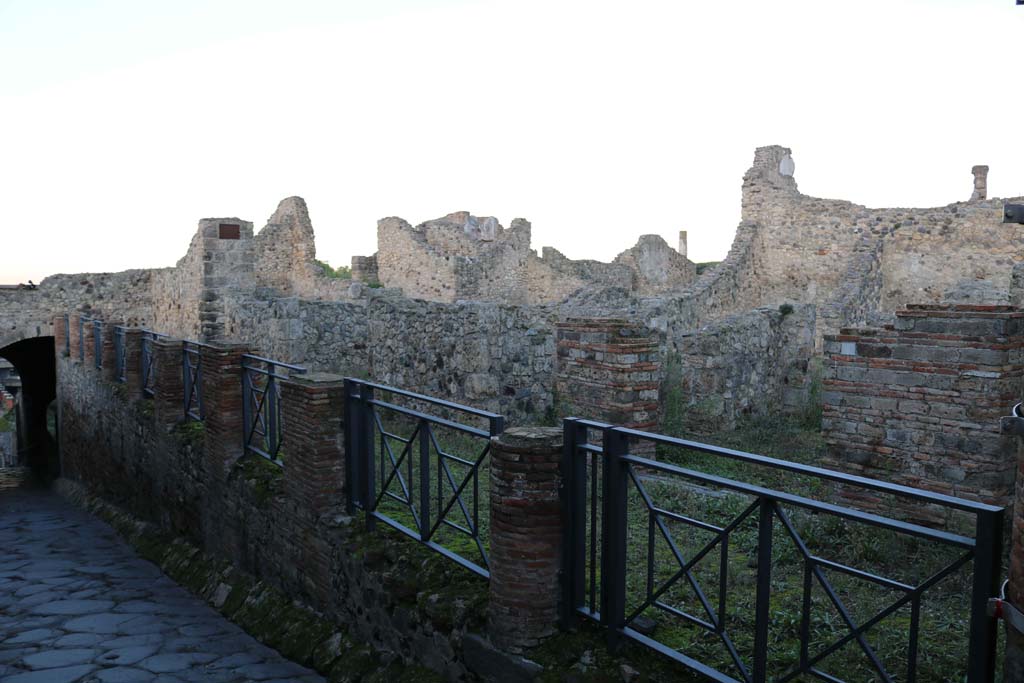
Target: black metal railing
x=628, y=571
x=148, y=361
x=97, y=342
x=261, y=408
x=120, y=355
x=400, y=473
x=192, y=379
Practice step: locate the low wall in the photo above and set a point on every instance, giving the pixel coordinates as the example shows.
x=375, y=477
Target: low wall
x=393, y=594
x=920, y=404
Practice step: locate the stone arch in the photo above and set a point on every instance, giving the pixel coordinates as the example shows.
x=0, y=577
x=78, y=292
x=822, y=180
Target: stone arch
x=30, y=348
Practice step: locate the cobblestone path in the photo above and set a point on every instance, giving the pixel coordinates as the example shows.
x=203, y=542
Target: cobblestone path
x=77, y=604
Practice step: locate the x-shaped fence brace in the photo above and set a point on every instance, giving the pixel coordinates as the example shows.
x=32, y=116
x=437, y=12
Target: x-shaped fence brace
x=390, y=466
x=813, y=564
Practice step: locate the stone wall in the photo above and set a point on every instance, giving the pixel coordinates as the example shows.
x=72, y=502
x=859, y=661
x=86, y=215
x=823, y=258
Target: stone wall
x=920, y=403
x=264, y=520
x=753, y=363
x=811, y=250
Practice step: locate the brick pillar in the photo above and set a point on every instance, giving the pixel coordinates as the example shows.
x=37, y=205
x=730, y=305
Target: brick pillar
x=90, y=348
x=169, y=387
x=607, y=369
x=133, y=361
x=108, y=351
x=526, y=536
x=60, y=334
x=312, y=447
x=73, y=333
x=222, y=398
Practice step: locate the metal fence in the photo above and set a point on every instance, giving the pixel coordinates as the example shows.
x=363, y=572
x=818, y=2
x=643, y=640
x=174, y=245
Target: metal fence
x=192, y=379
x=120, y=355
x=670, y=572
x=401, y=474
x=148, y=361
x=261, y=411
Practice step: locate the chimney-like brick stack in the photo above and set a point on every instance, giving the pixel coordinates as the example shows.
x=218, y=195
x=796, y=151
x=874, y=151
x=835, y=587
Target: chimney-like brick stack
x=920, y=404
x=526, y=536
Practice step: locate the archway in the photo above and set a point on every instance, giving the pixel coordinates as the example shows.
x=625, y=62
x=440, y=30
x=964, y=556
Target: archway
x=33, y=359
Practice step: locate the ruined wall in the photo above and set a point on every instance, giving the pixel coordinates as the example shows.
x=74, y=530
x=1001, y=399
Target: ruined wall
x=753, y=363
x=655, y=267
x=812, y=249
x=932, y=251
x=920, y=404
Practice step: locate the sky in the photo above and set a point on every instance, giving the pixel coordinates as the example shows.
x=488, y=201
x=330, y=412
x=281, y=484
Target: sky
x=122, y=123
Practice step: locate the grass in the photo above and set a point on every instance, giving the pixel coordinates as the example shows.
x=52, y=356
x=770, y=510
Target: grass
x=944, y=618
x=7, y=422
x=475, y=496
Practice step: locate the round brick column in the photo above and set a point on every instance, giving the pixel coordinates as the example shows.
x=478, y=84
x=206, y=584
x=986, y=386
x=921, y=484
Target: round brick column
x=526, y=536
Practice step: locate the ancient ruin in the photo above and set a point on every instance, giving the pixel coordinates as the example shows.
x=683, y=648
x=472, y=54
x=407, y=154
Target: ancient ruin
x=898, y=323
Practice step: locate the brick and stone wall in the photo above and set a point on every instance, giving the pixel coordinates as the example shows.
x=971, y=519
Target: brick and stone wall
x=608, y=370
x=284, y=526
x=920, y=403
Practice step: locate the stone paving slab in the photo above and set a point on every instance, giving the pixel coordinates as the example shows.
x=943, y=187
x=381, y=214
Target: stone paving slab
x=77, y=605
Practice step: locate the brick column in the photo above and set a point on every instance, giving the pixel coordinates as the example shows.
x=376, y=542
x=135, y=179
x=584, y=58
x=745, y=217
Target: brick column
x=169, y=389
x=133, y=361
x=109, y=352
x=90, y=349
x=312, y=447
x=222, y=398
x=526, y=536
x=312, y=439
x=73, y=333
x=60, y=334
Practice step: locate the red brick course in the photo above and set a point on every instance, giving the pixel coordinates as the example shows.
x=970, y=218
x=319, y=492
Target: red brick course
x=920, y=403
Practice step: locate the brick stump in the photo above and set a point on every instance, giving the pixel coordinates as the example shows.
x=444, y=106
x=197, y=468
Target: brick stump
x=526, y=536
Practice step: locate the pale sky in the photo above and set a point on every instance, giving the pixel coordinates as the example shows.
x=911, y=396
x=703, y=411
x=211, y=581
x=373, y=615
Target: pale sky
x=122, y=123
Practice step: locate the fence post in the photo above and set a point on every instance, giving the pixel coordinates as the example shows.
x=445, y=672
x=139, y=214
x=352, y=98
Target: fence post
x=613, y=533
x=526, y=536
x=168, y=386
x=314, y=465
x=574, y=502
x=367, y=440
x=762, y=609
x=108, y=355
